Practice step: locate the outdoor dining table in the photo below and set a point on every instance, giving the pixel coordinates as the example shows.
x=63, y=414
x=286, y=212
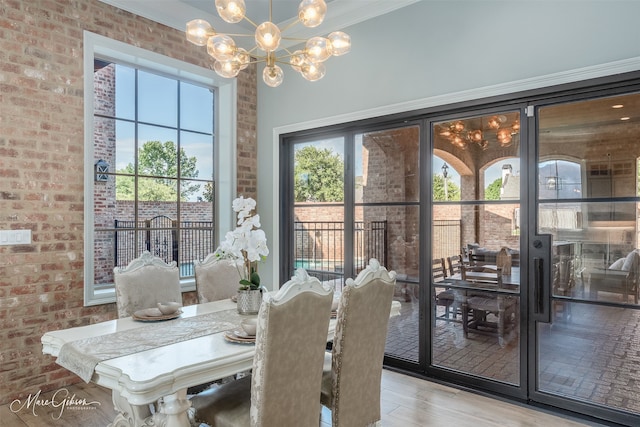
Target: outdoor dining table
x=146, y=363
x=510, y=282
x=481, y=283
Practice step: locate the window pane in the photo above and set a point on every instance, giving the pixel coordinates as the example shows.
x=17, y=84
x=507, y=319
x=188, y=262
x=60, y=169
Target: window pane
x=319, y=171
x=319, y=237
x=104, y=97
x=387, y=166
x=197, y=161
x=125, y=95
x=481, y=154
x=559, y=179
x=196, y=108
x=157, y=151
x=157, y=99
x=391, y=235
x=196, y=191
x=125, y=147
x=158, y=190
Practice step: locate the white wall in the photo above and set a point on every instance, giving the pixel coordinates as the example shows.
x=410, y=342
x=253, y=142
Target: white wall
x=436, y=52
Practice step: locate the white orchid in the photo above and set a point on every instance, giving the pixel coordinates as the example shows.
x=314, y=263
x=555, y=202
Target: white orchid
x=246, y=242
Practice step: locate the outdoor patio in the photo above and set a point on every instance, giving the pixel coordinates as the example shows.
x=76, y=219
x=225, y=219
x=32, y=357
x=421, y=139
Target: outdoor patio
x=588, y=356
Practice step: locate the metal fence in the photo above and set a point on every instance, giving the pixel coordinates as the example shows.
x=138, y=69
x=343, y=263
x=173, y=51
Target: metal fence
x=319, y=246
x=158, y=235
x=446, y=238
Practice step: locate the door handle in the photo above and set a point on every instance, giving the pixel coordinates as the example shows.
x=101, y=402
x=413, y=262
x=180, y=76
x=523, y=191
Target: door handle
x=540, y=277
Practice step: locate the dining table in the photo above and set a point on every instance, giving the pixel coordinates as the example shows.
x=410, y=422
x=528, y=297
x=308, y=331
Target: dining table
x=152, y=363
x=482, y=283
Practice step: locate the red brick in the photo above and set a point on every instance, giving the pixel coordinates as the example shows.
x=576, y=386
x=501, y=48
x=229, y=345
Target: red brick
x=41, y=170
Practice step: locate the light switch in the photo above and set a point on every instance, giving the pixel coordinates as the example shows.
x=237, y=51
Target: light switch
x=15, y=237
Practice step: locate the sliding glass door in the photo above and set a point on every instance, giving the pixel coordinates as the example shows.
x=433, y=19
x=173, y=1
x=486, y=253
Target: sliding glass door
x=514, y=230
x=356, y=197
x=587, y=200
x=475, y=230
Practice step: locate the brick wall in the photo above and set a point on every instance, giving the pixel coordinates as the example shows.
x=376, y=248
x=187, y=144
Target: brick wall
x=41, y=171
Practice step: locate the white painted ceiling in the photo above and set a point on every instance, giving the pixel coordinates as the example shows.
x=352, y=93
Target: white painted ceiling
x=340, y=14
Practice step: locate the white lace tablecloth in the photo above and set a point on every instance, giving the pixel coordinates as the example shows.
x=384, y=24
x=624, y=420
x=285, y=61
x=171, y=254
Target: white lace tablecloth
x=82, y=356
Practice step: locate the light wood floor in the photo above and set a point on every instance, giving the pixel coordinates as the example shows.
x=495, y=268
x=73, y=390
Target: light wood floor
x=406, y=402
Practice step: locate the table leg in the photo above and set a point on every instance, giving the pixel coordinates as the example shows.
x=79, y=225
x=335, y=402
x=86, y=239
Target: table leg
x=130, y=415
x=173, y=410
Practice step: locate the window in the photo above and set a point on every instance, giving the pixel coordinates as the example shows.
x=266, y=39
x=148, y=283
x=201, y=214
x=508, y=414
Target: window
x=150, y=143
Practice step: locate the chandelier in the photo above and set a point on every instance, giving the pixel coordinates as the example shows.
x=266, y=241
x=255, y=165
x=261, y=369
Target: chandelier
x=458, y=134
x=231, y=59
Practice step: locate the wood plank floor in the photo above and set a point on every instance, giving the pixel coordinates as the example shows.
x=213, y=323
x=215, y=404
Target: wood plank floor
x=406, y=402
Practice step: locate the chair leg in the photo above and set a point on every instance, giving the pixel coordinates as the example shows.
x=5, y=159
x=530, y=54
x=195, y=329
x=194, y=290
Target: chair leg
x=465, y=320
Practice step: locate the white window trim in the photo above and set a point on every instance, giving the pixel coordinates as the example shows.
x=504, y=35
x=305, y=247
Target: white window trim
x=225, y=111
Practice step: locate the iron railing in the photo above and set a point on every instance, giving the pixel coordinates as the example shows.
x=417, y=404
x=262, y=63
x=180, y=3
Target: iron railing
x=158, y=235
x=446, y=238
x=319, y=246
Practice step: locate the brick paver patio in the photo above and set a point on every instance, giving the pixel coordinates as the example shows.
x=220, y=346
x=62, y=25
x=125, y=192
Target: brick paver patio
x=593, y=356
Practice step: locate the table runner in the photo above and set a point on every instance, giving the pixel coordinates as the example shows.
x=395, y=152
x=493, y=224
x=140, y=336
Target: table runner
x=82, y=356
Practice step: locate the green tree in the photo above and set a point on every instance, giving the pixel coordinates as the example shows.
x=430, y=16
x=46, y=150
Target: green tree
x=492, y=192
x=159, y=160
x=208, y=195
x=453, y=191
x=318, y=175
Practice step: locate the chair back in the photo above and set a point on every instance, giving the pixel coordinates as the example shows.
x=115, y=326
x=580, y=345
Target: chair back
x=455, y=264
x=438, y=270
x=217, y=279
x=488, y=276
x=144, y=283
x=358, y=346
x=290, y=345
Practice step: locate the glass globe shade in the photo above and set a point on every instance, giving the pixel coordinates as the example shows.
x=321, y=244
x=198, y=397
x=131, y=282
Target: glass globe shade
x=272, y=75
x=227, y=69
x=475, y=135
x=493, y=123
x=318, y=49
x=297, y=59
x=221, y=47
x=231, y=11
x=311, y=12
x=268, y=36
x=458, y=126
x=242, y=57
x=458, y=142
x=504, y=137
x=198, y=31
x=340, y=42
x=313, y=71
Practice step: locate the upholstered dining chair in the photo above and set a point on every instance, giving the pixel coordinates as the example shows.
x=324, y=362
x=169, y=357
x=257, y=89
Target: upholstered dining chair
x=285, y=382
x=217, y=279
x=353, y=369
x=145, y=282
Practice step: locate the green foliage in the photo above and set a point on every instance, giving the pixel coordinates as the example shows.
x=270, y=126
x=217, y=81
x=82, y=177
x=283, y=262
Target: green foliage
x=318, y=175
x=161, y=161
x=453, y=191
x=492, y=192
x=208, y=195
x=253, y=283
